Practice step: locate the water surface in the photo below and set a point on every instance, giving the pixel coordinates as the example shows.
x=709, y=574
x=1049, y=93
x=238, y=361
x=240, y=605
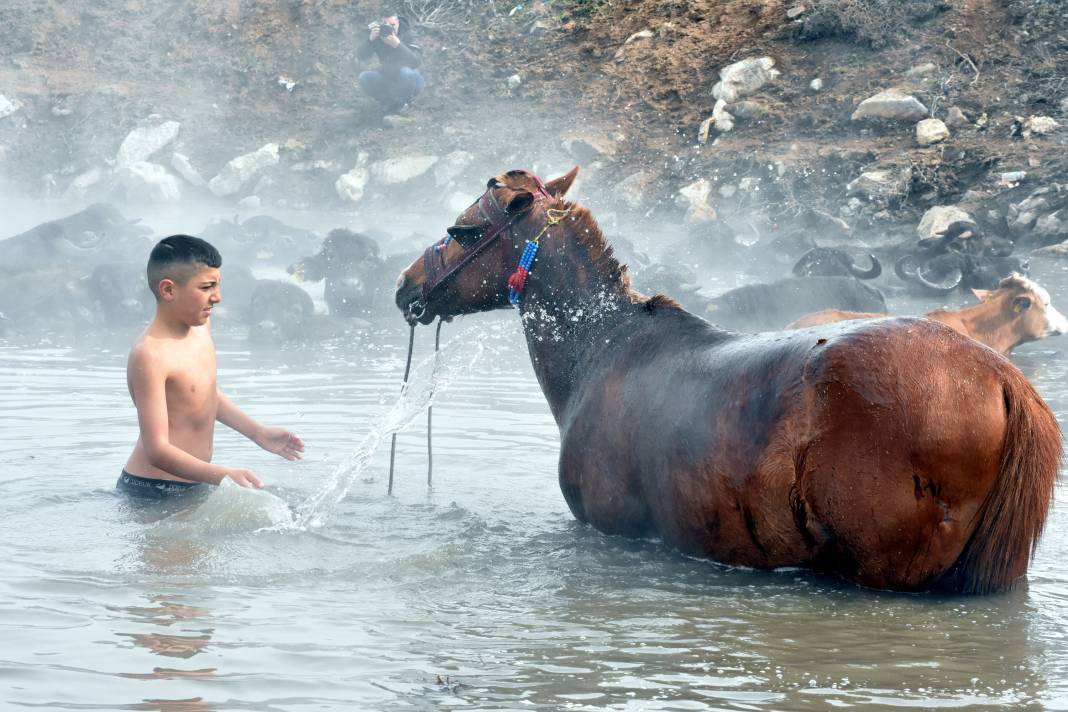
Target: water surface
x=481, y=592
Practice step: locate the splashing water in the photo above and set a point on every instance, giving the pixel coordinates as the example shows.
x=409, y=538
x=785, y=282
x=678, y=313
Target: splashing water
x=428, y=379
x=231, y=507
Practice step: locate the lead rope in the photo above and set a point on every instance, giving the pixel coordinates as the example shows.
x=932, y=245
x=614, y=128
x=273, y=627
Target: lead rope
x=404, y=387
x=430, y=413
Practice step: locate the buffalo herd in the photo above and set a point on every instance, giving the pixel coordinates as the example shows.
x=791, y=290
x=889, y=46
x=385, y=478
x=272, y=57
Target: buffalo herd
x=84, y=274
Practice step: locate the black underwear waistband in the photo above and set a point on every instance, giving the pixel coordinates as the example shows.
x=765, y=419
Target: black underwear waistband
x=157, y=489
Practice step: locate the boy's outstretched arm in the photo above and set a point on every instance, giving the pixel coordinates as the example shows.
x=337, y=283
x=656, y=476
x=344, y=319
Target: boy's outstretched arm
x=277, y=440
x=147, y=382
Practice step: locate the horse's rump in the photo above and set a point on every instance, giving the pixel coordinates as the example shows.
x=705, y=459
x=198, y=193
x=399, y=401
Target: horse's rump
x=923, y=442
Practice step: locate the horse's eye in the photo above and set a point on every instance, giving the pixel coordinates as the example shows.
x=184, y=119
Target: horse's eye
x=466, y=235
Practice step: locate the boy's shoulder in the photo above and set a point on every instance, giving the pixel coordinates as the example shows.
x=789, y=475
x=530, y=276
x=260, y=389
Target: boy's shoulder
x=145, y=351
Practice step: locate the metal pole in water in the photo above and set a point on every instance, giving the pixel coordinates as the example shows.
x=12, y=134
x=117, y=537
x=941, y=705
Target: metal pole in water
x=404, y=386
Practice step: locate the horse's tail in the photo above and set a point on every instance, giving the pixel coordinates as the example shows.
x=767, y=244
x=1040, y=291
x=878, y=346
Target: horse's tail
x=1012, y=517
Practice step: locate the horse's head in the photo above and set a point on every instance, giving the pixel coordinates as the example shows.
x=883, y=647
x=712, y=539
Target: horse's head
x=469, y=270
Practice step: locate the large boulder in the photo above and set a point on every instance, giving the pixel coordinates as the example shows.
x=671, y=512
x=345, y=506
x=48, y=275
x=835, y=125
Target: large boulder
x=239, y=170
x=143, y=142
x=930, y=132
x=743, y=78
x=393, y=171
x=939, y=219
x=880, y=185
x=149, y=183
x=891, y=105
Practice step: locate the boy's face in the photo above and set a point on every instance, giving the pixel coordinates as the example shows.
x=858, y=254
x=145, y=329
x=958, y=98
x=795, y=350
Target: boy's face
x=192, y=302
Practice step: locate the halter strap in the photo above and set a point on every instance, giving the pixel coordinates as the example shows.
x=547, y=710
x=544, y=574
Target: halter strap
x=500, y=220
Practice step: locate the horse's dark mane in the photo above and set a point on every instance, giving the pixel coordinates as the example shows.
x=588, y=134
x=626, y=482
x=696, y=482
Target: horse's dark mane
x=602, y=257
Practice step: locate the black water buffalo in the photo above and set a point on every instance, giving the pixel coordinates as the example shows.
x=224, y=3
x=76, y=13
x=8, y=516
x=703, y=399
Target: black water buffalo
x=359, y=280
x=944, y=273
x=764, y=307
x=832, y=262
x=260, y=241
x=96, y=235
x=961, y=256
x=279, y=312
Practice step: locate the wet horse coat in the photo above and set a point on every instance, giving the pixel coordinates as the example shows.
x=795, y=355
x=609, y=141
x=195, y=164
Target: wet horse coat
x=896, y=453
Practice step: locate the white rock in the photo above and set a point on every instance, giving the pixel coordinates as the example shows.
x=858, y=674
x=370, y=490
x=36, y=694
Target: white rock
x=939, y=218
x=816, y=84
x=392, y=171
x=695, y=197
x=891, y=104
x=149, y=182
x=721, y=118
x=743, y=78
x=184, y=167
x=931, y=131
x=514, y=81
x=235, y=173
x=450, y=167
x=141, y=143
x=351, y=185
x=643, y=35
x=1040, y=125
x=1053, y=224
x=879, y=183
x=8, y=106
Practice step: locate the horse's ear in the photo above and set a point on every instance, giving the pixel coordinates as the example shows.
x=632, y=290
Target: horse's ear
x=558, y=187
x=520, y=200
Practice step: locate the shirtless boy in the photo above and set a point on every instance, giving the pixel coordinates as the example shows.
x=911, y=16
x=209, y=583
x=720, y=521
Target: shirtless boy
x=171, y=377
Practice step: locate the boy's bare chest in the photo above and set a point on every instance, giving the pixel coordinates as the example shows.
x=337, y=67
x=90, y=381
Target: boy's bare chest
x=191, y=388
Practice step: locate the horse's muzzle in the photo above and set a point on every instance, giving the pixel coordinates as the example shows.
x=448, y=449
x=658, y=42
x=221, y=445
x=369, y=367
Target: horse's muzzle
x=409, y=299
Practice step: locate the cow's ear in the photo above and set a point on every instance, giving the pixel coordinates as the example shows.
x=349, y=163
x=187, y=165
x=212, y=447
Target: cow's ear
x=982, y=294
x=558, y=187
x=1019, y=304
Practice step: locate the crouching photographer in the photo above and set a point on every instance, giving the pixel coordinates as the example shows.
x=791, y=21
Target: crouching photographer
x=397, y=80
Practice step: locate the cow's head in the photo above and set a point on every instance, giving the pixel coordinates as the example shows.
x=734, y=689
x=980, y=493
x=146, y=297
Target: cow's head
x=1021, y=311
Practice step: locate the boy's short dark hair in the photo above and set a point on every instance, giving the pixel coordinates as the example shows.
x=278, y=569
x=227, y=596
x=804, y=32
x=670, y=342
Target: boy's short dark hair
x=178, y=257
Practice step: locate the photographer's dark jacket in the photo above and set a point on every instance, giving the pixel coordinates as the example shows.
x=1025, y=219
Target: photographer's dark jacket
x=407, y=54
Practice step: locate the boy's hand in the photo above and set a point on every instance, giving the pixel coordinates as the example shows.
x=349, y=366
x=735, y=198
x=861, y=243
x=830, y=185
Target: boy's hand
x=281, y=442
x=245, y=478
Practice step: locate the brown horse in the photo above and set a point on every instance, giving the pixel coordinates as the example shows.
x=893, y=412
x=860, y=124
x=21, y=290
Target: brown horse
x=896, y=453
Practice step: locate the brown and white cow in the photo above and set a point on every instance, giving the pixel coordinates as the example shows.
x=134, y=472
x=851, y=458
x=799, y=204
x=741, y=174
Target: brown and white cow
x=1018, y=311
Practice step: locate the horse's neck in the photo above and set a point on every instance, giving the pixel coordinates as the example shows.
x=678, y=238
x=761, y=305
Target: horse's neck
x=574, y=311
